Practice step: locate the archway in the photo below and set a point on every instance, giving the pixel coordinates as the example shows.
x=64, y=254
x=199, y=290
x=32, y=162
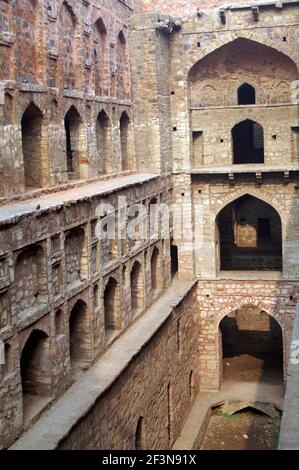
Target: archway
x=67, y=54
x=73, y=123
x=35, y=367
x=35, y=163
x=121, y=58
x=212, y=80
x=252, y=346
x=246, y=94
x=249, y=235
x=174, y=257
x=79, y=336
x=140, y=436
x=248, y=142
x=124, y=126
x=112, y=309
x=155, y=271
x=100, y=58
x=102, y=131
x=136, y=289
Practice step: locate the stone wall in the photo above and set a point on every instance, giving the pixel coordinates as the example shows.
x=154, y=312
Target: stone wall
x=217, y=139
x=51, y=54
x=55, y=266
x=189, y=7
x=161, y=392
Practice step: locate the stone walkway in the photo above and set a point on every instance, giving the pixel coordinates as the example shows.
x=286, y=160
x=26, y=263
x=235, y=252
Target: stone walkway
x=13, y=211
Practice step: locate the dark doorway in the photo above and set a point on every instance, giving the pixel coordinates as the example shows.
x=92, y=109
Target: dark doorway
x=124, y=140
x=112, y=309
x=246, y=94
x=248, y=142
x=102, y=130
x=32, y=147
x=174, y=260
x=250, y=234
x=36, y=374
x=252, y=346
x=78, y=324
x=35, y=364
x=72, y=122
x=136, y=289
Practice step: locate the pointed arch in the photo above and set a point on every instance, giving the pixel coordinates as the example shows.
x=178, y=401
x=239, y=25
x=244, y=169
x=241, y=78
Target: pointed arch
x=249, y=233
x=282, y=93
x=103, y=137
x=248, y=142
x=112, y=309
x=137, y=289
x=76, y=257
x=155, y=271
x=67, y=34
x=79, y=334
x=32, y=290
x=101, y=59
x=125, y=141
x=35, y=156
x=35, y=369
x=74, y=135
x=250, y=332
x=222, y=66
x=8, y=108
x=257, y=194
x=246, y=94
x=234, y=39
x=122, y=66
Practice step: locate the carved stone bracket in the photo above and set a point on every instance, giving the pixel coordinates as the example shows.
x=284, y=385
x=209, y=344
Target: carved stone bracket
x=7, y=39
x=52, y=10
x=87, y=29
x=255, y=13
x=168, y=25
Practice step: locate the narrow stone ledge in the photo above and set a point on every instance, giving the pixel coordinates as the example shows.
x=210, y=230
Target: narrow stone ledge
x=12, y=212
x=57, y=422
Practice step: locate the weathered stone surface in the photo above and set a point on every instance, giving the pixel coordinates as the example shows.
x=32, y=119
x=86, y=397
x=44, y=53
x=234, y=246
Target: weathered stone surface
x=144, y=101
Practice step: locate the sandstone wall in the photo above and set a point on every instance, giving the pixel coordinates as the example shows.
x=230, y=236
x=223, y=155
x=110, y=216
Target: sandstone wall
x=159, y=386
x=51, y=265
x=59, y=56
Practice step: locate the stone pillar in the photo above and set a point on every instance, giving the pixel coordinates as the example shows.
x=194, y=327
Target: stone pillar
x=151, y=95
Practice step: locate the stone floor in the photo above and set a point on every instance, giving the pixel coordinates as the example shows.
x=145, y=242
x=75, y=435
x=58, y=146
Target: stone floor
x=245, y=378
